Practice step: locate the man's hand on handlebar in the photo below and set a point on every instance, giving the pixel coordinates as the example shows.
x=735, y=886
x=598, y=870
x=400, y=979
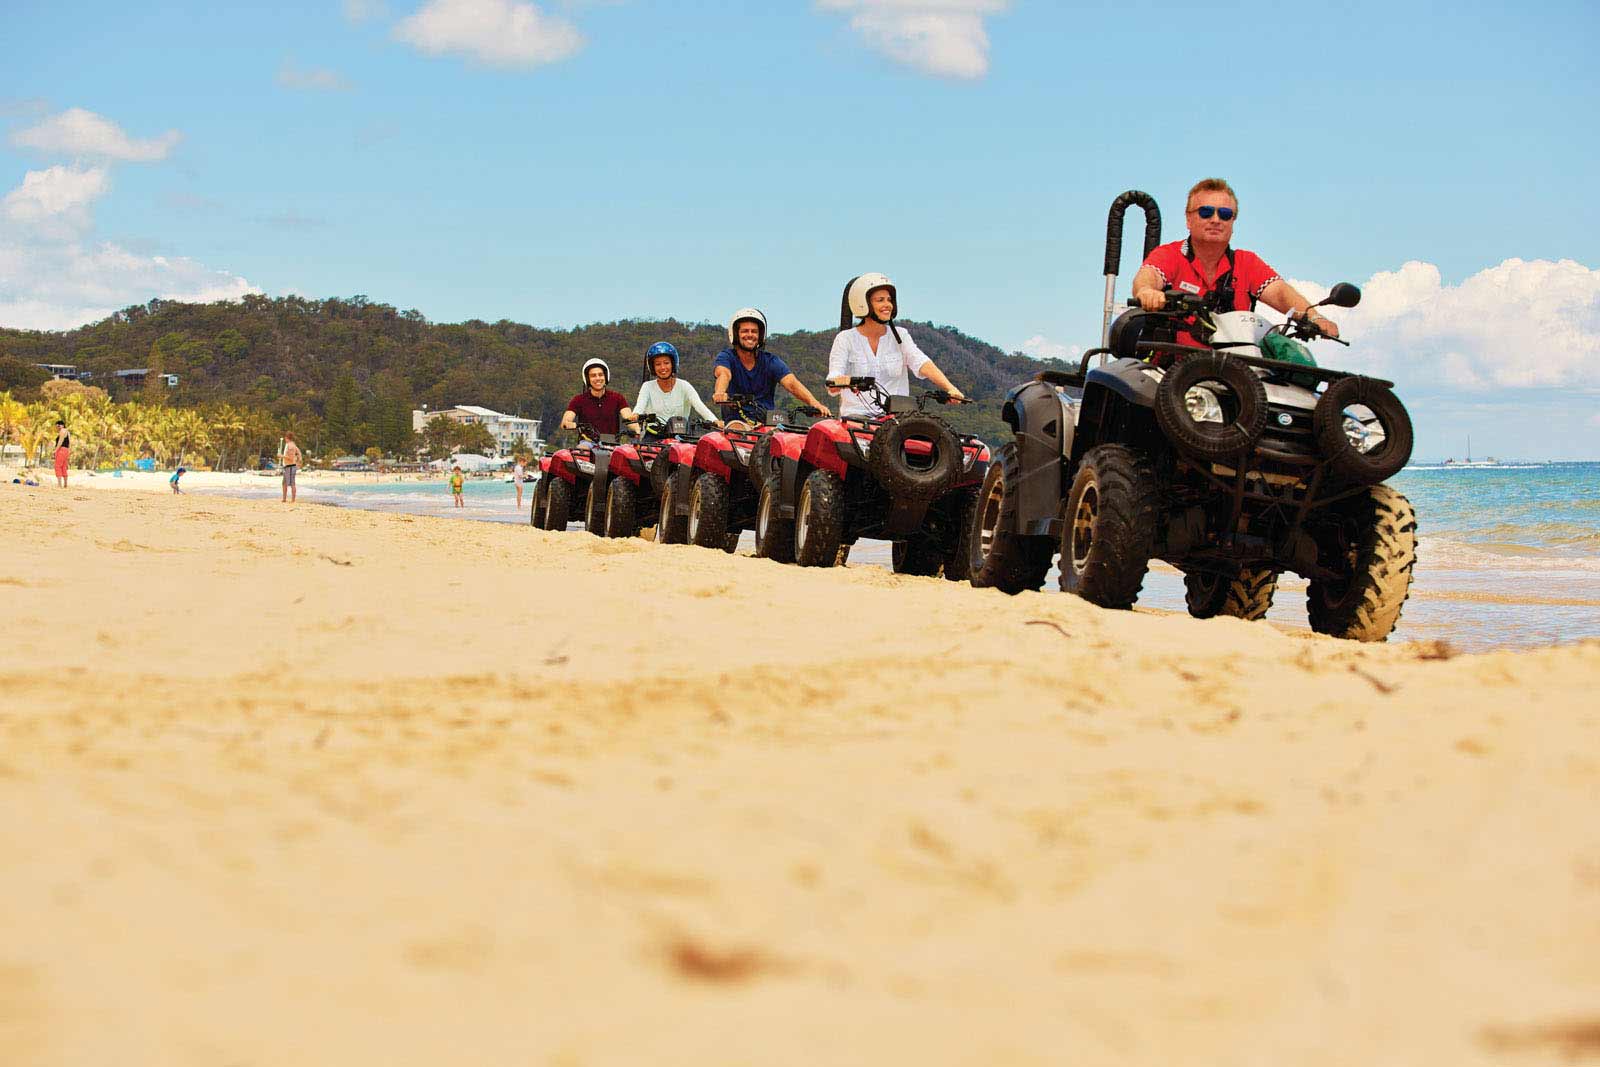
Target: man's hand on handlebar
x=1151, y=299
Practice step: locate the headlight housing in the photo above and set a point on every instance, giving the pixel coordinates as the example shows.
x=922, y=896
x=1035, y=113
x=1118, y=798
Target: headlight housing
x=1203, y=405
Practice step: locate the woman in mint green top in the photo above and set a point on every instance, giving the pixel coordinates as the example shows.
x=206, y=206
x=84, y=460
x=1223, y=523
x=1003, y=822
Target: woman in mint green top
x=663, y=394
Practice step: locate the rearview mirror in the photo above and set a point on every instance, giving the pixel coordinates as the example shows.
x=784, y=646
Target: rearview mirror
x=1342, y=295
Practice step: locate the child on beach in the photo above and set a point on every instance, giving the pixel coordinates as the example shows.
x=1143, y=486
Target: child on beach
x=173, y=481
x=457, y=483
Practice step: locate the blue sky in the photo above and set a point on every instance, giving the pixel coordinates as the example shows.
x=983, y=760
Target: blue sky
x=561, y=163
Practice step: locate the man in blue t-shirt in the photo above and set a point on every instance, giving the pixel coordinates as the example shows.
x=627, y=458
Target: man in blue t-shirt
x=744, y=367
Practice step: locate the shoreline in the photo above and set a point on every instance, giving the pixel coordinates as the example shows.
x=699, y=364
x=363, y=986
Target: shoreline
x=1476, y=596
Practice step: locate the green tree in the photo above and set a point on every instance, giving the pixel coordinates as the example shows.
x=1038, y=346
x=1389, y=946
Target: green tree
x=339, y=413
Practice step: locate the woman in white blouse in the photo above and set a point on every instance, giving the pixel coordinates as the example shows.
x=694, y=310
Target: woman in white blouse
x=875, y=347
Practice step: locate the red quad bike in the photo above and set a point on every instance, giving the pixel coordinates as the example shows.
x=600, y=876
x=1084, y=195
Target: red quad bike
x=567, y=479
x=904, y=477
x=725, y=495
x=630, y=492
x=672, y=475
x=1234, y=459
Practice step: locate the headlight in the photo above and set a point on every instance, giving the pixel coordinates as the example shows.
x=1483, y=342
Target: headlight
x=1203, y=405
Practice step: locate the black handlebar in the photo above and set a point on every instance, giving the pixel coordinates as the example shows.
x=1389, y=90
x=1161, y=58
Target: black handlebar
x=1119, y=209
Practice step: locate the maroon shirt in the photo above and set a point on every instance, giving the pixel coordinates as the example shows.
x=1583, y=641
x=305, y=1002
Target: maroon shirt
x=603, y=413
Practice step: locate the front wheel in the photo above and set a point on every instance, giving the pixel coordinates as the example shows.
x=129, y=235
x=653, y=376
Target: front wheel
x=1110, y=526
x=998, y=556
x=1243, y=594
x=708, y=511
x=558, y=505
x=819, y=520
x=594, y=509
x=1379, y=551
x=622, y=509
x=541, y=493
x=774, y=534
x=671, y=528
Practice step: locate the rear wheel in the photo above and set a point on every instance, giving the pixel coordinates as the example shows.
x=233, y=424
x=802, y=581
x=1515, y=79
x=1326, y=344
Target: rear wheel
x=919, y=557
x=819, y=520
x=622, y=509
x=958, y=549
x=558, y=504
x=999, y=557
x=1110, y=526
x=774, y=534
x=708, y=511
x=1365, y=604
x=1242, y=594
x=671, y=529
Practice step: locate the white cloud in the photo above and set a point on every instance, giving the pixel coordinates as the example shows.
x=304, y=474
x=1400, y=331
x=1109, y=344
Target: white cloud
x=1041, y=347
x=76, y=132
x=1519, y=325
x=946, y=38
x=58, y=198
x=359, y=11
x=314, y=80
x=500, y=33
x=51, y=279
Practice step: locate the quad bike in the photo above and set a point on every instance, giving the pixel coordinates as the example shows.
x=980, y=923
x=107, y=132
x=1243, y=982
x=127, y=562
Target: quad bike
x=628, y=490
x=729, y=463
x=1230, y=465
x=904, y=476
x=567, y=479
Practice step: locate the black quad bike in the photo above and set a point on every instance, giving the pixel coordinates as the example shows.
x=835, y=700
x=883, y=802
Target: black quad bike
x=904, y=476
x=1234, y=458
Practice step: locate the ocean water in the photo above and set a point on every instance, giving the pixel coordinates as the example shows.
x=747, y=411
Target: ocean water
x=1507, y=556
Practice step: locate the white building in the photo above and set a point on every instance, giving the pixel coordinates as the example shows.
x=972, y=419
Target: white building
x=510, y=432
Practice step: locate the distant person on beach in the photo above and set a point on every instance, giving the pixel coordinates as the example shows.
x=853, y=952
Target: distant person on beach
x=63, y=453
x=173, y=481
x=458, y=482
x=598, y=406
x=746, y=367
x=291, y=464
x=1207, y=265
x=874, y=347
x=664, y=394
x=519, y=474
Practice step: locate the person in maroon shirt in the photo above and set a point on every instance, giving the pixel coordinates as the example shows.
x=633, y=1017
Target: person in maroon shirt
x=1207, y=265
x=599, y=407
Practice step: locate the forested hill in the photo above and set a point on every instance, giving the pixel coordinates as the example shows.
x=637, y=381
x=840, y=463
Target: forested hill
x=291, y=355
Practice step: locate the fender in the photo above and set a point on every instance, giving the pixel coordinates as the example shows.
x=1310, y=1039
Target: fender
x=714, y=453
x=822, y=447
x=564, y=466
x=1035, y=414
x=978, y=453
x=625, y=463
x=1126, y=378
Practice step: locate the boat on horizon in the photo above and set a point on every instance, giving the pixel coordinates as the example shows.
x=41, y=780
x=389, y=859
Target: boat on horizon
x=1489, y=461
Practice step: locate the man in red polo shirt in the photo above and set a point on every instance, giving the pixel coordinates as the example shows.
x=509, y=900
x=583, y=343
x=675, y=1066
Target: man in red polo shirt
x=603, y=409
x=1207, y=265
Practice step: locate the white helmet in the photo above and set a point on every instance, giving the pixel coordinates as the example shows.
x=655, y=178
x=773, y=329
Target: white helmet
x=595, y=363
x=753, y=315
x=856, y=293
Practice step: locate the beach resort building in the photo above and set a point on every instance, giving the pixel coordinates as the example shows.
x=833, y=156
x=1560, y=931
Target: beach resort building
x=511, y=433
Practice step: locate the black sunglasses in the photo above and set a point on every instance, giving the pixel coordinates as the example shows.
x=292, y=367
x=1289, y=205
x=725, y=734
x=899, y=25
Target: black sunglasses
x=1224, y=213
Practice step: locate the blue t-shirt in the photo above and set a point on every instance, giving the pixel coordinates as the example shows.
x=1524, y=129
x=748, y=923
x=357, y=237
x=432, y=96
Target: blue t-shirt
x=759, y=381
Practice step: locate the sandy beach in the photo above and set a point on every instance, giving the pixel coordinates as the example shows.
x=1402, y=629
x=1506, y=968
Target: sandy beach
x=320, y=786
